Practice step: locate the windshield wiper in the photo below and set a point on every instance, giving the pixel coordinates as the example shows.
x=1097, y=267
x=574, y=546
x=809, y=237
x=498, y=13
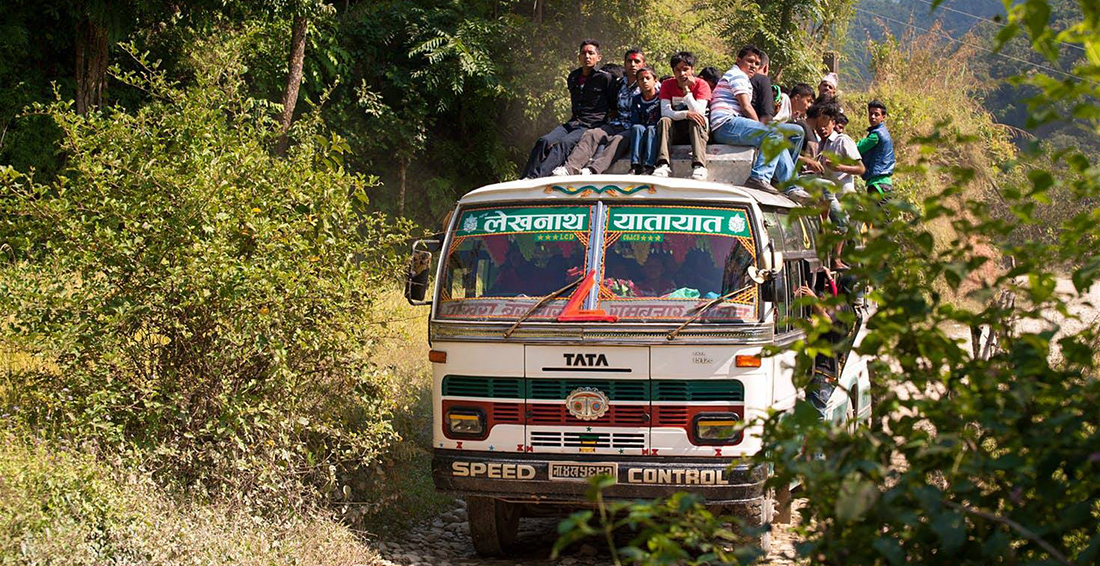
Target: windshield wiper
x=539, y=304
x=703, y=310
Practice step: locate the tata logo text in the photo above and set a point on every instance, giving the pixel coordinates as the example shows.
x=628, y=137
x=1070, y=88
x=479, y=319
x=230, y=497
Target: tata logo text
x=585, y=360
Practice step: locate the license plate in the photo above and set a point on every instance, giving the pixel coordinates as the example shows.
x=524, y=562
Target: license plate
x=580, y=471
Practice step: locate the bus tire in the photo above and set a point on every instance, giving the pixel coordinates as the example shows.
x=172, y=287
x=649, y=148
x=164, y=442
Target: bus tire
x=493, y=525
x=756, y=514
x=784, y=502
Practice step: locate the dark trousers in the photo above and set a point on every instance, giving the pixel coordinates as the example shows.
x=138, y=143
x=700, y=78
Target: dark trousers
x=588, y=152
x=551, y=150
x=671, y=132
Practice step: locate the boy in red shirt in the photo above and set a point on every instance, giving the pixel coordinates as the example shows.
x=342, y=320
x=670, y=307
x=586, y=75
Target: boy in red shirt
x=684, y=100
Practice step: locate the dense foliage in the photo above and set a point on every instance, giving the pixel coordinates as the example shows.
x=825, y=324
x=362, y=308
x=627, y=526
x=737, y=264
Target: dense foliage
x=978, y=453
x=434, y=97
x=204, y=305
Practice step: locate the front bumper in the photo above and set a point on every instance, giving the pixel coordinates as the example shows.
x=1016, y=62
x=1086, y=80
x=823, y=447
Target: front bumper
x=528, y=477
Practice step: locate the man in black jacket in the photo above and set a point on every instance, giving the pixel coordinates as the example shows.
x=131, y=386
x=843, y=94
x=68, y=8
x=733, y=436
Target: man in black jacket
x=763, y=98
x=592, y=95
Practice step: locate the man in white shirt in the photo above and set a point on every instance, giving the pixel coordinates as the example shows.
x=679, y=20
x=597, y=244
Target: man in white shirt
x=733, y=121
x=842, y=163
x=848, y=165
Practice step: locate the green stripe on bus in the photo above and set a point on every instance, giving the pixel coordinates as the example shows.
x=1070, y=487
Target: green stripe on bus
x=492, y=387
x=616, y=389
x=698, y=390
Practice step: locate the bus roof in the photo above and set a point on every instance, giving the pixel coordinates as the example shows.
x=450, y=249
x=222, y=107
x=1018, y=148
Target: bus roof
x=621, y=187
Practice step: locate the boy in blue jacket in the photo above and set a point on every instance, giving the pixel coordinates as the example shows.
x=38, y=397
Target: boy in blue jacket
x=645, y=111
x=877, y=150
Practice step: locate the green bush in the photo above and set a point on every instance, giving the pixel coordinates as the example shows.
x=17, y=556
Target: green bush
x=207, y=306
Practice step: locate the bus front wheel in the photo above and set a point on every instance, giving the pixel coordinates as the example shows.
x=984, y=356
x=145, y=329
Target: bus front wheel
x=493, y=525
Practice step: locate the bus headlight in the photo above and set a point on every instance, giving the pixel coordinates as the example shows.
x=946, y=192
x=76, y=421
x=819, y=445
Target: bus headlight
x=468, y=423
x=717, y=428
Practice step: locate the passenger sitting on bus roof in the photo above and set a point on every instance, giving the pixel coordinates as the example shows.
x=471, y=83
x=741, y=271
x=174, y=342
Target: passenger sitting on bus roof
x=828, y=85
x=645, y=111
x=684, y=100
x=711, y=75
x=733, y=121
x=877, y=150
x=842, y=163
x=584, y=158
x=782, y=105
x=617, y=73
x=591, y=96
x=763, y=103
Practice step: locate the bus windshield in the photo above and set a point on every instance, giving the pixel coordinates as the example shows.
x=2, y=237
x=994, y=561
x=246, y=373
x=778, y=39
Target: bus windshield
x=663, y=262
x=502, y=260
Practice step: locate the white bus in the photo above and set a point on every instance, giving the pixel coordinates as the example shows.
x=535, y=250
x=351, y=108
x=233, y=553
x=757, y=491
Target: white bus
x=614, y=325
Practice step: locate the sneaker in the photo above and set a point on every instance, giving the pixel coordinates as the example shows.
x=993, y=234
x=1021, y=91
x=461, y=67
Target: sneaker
x=586, y=171
x=699, y=173
x=560, y=171
x=636, y=169
x=760, y=184
x=662, y=170
x=798, y=194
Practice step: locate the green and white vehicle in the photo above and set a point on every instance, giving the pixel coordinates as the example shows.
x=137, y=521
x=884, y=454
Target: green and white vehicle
x=613, y=325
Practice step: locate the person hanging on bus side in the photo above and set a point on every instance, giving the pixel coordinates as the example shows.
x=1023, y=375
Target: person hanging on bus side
x=828, y=368
x=684, y=100
x=877, y=150
x=733, y=121
x=819, y=122
x=587, y=158
x=842, y=170
x=645, y=111
x=591, y=96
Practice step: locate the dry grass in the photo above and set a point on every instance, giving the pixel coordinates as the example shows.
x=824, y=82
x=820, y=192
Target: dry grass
x=59, y=505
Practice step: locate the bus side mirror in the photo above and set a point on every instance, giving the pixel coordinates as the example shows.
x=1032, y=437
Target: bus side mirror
x=416, y=275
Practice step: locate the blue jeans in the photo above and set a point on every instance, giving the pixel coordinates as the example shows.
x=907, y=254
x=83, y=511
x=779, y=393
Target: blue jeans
x=643, y=145
x=743, y=131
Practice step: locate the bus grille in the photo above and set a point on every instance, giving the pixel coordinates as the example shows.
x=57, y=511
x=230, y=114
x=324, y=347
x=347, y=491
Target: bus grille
x=617, y=415
x=587, y=439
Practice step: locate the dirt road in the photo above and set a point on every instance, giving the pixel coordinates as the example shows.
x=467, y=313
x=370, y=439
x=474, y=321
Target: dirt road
x=446, y=542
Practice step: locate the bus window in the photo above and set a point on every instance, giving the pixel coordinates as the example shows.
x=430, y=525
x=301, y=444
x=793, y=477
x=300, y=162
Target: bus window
x=663, y=262
x=797, y=232
x=502, y=260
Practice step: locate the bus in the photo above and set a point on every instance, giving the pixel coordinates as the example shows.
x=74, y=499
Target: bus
x=615, y=325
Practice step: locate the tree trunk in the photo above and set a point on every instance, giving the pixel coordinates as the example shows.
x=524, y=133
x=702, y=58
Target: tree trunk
x=402, y=170
x=293, y=81
x=91, y=64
